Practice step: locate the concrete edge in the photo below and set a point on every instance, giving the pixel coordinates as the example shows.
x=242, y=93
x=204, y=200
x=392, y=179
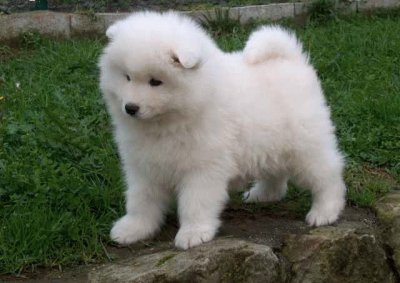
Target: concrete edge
x=67, y=24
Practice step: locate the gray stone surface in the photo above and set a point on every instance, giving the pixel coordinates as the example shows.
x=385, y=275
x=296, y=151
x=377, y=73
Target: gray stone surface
x=349, y=252
x=109, y=18
x=368, y=4
x=388, y=212
x=245, y=14
x=270, y=12
x=47, y=23
x=81, y=24
x=223, y=260
x=299, y=8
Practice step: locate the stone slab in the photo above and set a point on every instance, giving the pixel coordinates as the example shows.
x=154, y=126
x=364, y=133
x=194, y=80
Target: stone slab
x=223, y=260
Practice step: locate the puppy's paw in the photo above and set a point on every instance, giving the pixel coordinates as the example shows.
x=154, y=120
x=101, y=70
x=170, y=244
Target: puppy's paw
x=257, y=194
x=130, y=229
x=322, y=216
x=191, y=236
x=325, y=212
x=254, y=195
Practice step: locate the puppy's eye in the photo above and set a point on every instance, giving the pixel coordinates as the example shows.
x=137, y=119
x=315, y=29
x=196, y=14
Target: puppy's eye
x=154, y=82
x=128, y=78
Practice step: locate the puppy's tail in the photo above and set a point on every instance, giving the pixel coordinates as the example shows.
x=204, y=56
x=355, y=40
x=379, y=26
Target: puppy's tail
x=272, y=42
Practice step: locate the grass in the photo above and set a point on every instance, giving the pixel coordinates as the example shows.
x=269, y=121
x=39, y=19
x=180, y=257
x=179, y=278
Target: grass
x=60, y=182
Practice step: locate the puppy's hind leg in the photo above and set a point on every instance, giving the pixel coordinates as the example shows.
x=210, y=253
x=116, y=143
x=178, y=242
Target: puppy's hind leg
x=322, y=174
x=270, y=189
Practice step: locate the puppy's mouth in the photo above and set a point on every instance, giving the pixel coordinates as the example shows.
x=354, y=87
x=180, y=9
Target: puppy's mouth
x=136, y=116
x=147, y=117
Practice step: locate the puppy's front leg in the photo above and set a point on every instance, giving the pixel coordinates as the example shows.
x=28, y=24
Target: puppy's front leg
x=145, y=206
x=201, y=198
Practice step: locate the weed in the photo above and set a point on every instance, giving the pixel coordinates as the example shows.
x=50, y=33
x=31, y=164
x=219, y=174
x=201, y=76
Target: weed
x=219, y=22
x=31, y=40
x=321, y=11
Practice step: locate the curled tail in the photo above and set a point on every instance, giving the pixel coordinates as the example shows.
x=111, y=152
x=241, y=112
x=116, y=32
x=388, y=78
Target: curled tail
x=270, y=42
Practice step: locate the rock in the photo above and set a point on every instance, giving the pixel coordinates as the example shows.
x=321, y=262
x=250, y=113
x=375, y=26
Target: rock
x=222, y=260
x=348, y=252
x=353, y=250
x=388, y=212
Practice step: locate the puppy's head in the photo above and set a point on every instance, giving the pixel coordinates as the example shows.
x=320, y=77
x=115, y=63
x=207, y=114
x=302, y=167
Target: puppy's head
x=153, y=64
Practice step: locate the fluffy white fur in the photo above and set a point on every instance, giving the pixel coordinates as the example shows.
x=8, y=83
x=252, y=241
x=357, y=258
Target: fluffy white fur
x=216, y=116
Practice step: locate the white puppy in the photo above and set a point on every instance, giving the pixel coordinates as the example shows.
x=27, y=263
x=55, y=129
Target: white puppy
x=189, y=118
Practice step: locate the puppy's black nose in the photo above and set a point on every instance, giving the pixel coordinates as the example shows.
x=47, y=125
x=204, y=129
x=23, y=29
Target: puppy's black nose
x=131, y=108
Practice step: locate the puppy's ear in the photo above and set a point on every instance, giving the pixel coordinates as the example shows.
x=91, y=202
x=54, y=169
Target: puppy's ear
x=187, y=58
x=112, y=30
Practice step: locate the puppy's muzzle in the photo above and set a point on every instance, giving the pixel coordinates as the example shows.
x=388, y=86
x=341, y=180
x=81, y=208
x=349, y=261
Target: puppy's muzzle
x=131, y=108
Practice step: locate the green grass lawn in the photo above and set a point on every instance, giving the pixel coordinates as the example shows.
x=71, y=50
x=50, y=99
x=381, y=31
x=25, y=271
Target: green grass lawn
x=60, y=182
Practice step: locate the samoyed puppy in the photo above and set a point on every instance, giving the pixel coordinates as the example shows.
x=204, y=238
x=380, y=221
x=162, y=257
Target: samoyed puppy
x=189, y=118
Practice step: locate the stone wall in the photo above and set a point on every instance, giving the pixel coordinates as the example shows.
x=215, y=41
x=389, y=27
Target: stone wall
x=67, y=24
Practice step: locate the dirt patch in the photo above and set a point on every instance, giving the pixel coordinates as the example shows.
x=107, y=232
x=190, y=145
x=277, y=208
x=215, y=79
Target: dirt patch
x=7, y=52
x=380, y=172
